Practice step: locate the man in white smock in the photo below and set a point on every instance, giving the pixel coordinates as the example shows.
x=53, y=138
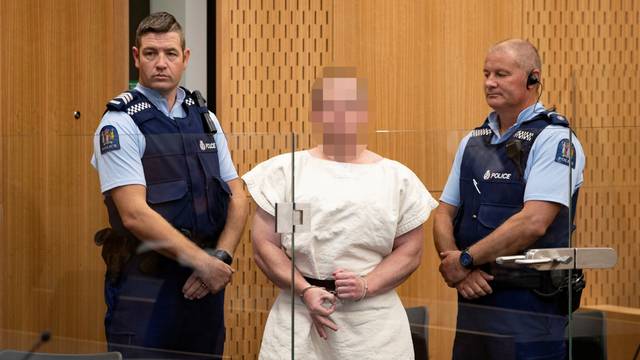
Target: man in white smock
x=366, y=236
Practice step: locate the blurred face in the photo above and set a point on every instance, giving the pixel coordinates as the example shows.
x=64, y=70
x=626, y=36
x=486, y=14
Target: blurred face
x=161, y=61
x=505, y=82
x=339, y=112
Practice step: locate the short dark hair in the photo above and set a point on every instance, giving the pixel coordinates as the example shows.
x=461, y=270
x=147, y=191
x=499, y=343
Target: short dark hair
x=159, y=23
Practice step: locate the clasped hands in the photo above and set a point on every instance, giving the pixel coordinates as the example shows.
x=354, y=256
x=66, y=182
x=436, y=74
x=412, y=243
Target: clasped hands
x=471, y=284
x=322, y=303
x=210, y=276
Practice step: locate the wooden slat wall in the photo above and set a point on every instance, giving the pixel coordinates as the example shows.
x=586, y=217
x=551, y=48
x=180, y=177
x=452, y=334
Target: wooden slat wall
x=591, y=51
x=269, y=53
x=66, y=56
x=423, y=60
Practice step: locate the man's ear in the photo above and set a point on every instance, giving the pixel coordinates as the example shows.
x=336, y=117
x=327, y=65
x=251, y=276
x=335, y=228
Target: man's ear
x=187, y=55
x=136, y=53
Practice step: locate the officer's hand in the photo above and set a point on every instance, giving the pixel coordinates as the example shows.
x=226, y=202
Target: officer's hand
x=214, y=273
x=475, y=285
x=320, y=304
x=194, y=288
x=451, y=269
x=349, y=286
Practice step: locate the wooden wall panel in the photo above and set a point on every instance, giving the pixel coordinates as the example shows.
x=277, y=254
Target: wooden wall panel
x=591, y=51
x=269, y=53
x=66, y=56
x=423, y=60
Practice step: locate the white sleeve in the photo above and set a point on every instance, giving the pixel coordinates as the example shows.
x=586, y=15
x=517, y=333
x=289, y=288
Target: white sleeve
x=416, y=202
x=267, y=182
x=118, y=146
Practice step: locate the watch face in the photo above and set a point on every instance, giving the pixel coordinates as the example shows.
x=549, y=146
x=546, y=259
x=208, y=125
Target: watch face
x=466, y=260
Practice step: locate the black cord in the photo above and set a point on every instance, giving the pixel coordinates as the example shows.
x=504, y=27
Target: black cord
x=635, y=356
x=541, y=90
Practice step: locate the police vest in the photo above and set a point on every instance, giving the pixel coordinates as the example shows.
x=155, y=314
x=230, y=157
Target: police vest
x=181, y=168
x=492, y=184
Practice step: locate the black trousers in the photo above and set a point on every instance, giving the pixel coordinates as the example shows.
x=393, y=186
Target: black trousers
x=148, y=316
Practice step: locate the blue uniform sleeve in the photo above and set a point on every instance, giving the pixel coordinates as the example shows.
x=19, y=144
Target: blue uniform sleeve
x=227, y=170
x=451, y=191
x=547, y=172
x=118, y=146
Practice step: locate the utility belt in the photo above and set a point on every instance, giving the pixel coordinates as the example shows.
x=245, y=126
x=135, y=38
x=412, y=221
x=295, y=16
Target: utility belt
x=552, y=285
x=118, y=248
x=329, y=285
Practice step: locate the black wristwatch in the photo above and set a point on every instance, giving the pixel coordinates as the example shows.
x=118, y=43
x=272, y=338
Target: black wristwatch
x=466, y=260
x=221, y=255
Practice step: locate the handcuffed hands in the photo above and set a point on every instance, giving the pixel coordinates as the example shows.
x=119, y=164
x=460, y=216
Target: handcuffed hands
x=350, y=286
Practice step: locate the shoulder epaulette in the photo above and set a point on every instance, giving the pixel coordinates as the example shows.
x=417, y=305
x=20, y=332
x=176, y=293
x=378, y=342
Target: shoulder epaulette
x=119, y=102
x=557, y=119
x=130, y=102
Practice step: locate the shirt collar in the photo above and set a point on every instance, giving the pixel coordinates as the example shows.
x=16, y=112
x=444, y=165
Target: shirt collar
x=525, y=115
x=161, y=103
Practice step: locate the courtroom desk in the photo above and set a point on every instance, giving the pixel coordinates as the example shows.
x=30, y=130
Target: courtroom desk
x=623, y=330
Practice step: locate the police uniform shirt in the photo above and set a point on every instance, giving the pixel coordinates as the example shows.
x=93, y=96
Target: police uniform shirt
x=122, y=165
x=547, y=169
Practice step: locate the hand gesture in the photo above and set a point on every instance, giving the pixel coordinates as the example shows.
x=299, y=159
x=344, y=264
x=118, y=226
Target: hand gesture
x=320, y=304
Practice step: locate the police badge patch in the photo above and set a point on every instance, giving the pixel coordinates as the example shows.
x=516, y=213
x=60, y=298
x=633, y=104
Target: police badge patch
x=109, y=140
x=566, y=152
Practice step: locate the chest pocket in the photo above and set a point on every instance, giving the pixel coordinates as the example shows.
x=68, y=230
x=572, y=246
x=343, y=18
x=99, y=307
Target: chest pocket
x=170, y=199
x=492, y=216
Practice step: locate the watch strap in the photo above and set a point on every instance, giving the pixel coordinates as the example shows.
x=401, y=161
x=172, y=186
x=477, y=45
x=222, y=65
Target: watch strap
x=221, y=255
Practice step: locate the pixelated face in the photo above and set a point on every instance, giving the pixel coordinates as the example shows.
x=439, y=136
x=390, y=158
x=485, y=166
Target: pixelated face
x=504, y=81
x=161, y=61
x=339, y=111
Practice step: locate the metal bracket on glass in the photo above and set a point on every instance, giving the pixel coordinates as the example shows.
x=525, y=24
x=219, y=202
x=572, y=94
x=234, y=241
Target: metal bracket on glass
x=292, y=218
x=563, y=259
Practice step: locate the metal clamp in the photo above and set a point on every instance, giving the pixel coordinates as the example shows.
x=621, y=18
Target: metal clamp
x=563, y=259
x=292, y=218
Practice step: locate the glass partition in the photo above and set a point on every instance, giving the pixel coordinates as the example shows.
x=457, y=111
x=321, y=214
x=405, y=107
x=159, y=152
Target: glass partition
x=53, y=273
x=585, y=329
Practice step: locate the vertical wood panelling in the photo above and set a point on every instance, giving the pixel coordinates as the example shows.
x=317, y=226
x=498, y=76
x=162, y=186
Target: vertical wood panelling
x=269, y=53
x=423, y=61
x=592, y=48
x=66, y=56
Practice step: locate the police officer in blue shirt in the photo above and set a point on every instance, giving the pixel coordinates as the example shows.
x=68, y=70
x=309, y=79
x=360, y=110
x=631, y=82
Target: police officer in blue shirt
x=508, y=191
x=176, y=207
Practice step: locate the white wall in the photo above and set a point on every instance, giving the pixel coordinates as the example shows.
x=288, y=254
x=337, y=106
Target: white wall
x=192, y=15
